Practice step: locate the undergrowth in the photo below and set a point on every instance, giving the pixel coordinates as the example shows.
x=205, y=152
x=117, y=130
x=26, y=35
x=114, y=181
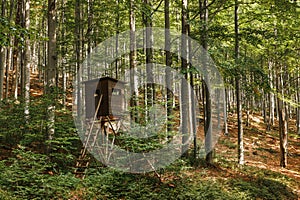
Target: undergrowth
x=28, y=172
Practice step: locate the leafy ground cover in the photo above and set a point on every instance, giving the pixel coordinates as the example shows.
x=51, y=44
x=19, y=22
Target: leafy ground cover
x=27, y=172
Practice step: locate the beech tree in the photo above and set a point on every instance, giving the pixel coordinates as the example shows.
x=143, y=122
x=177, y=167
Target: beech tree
x=237, y=85
x=184, y=66
x=132, y=57
x=27, y=59
x=2, y=51
x=51, y=67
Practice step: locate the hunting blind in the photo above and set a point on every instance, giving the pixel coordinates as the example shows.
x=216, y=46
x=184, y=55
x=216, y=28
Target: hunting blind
x=109, y=92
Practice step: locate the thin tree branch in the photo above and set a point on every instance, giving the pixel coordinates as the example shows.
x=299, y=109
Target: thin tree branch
x=198, y=13
x=157, y=7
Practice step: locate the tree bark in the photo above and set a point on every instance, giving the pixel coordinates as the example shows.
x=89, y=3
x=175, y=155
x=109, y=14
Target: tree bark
x=89, y=35
x=9, y=51
x=78, y=54
x=168, y=64
x=117, y=41
x=132, y=63
x=15, y=53
x=238, y=90
x=149, y=57
x=226, y=102
x=51, y=69
x=203, y=6
x=184, y=86
x=298, y=101
x=271, y=99
x=2, y=58
x=283, y=132
x=62, y=61
x=52, y=52
x=192, y=108
x=27, y=60
x=2, y=55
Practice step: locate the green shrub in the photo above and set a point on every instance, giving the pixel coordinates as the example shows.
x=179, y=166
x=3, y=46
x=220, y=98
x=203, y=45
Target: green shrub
x=31, y=175
x=14, y=130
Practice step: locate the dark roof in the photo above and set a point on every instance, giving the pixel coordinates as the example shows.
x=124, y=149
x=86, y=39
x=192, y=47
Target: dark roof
x=104, y=78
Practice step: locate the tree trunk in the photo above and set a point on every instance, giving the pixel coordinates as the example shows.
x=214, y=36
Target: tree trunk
x=78, y=55
x=149, y=57
x=9, y=52
x=207, y=108
x=117, y=40
x=132, y=64
x=62, y=61
x=89, y=35
x=264, y=106
x=168, y=64
x=2, y=55
x=226, y=102
x=184, y=86
x=192, y=108
x=298, y=101
x=15, y=81
x=238, y=90
x=2, y=58
x=271, y=99
x=51, y=68
x=283, y=132
x=27, y=60
x=22, y=53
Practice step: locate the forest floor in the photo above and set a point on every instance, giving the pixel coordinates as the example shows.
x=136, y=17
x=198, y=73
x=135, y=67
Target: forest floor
x=262, y=153
x=262, y=147
x=261, y=177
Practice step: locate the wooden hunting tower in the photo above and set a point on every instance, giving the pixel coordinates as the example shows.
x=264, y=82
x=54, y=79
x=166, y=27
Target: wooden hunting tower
x=112, y=101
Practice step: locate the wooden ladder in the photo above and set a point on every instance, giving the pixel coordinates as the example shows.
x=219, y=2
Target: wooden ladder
x=90, y=139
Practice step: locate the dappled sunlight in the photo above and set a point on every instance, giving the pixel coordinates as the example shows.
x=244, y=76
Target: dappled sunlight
x=261, y=150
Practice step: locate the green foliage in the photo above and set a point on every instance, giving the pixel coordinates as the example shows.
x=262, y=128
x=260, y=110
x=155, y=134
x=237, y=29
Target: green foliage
x=257, y=183
x=110, y=184
x=263, y=188
x=30, y=175
x=11, y=122
x=14, y=130
x=4, y=195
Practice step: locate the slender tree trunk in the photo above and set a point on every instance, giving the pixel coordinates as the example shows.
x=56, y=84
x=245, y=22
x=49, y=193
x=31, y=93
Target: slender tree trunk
x=168, y=64
x=15, y=81
x=7, y=68
x=51, y=68
x=132, y=60
x=149, y=57
x=62, y=61
x=192, y=111
x=264, y=106
x=2, y=58
x=184, y=86
x=2, y=55
x=282, y=120
x=52, y=52
x=271, y=98
x=248, y=113
x=27, y=60
x=208, y=123
x=22, y=54
x=298, y=101
x=78, y=54
x=238, y=90
x=90, y=34
x=117, y=40
x=9, y=52
x=226, y=112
